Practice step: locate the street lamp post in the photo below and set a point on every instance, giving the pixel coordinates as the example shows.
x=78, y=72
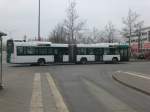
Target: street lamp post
x=1, y=52
x=39, y=22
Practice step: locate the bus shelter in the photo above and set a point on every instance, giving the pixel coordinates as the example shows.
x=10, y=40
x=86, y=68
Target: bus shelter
x=1, y=35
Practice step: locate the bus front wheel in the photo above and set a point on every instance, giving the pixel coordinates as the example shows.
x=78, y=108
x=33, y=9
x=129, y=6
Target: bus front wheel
x=41, y=61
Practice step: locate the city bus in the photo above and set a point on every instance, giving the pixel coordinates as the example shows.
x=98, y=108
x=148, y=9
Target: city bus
x=19, y=52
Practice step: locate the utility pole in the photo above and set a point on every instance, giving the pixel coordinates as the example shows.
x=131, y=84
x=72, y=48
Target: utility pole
x=1, y=59
x=130, y=33
x=39, y=22
x=140, y=41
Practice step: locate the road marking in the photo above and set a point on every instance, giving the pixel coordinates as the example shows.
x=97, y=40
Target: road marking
x=60, y=104
x=136, y=74
x=110, y=102
x=36, y=100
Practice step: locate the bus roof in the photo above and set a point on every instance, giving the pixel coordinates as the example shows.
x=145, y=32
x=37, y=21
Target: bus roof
x=91, y=45
x=59, y=45
x=101, y=45
x=32, y=43
x=39, y=43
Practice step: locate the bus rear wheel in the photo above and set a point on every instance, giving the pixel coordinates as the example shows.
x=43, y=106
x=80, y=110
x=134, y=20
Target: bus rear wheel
x=41, y=61
x=115, y=60
x=83, y=61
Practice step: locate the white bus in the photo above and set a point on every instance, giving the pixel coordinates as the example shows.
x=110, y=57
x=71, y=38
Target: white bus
x=47, y=52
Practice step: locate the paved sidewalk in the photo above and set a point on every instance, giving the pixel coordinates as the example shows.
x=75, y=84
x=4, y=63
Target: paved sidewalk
x=27, y=93
x=133, y=80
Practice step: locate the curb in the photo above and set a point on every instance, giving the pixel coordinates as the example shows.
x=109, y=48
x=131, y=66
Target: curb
x=130, y=86
x=139, y=60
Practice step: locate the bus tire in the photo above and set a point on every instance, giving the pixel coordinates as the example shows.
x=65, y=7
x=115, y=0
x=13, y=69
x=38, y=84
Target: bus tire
x=115, y=60
x=83, y=61
x=41, y=61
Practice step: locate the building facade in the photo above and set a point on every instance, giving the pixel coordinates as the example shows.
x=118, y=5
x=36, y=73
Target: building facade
x=140, y=43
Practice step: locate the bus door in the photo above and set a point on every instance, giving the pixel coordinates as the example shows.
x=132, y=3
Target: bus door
x=124, y=56
x=72, y=53
x=98, y=54
x=10, y=50
x=58, y=55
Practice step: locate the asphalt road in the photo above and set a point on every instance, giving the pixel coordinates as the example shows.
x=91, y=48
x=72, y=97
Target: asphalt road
x=90, y=88
x=85, y=88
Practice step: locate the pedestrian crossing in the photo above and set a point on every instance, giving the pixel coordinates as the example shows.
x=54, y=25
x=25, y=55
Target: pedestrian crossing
x=60, y=104
x=36, y=101
x=109, y=101
x=37, y=96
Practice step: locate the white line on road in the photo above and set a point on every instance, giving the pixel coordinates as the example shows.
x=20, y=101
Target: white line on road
x=36, y=101
x=110, y=102
x=136, y=74
x=60, y=104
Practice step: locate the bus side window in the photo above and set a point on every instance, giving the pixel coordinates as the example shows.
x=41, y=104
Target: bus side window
x=42, y=51
x=49, y=51
x=114, y=51
x=117, y=51
x=20, y=50
x=101, y=51
x=106, y=51
x=56, y=51
x=121, y=52
x=30, y=50
x=81, y=51
x=36, y=50
x=90, y=51
x=98, y=51
x=125, y=52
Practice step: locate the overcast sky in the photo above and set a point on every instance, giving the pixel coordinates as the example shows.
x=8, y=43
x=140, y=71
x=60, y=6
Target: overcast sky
x=19, y=17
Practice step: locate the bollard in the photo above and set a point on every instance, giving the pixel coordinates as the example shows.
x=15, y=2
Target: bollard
x=1, y=50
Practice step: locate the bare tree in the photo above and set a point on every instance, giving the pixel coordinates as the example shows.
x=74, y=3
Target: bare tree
x=25, y=38
x=110, y=32
x=93, y=36
x=72, y=23
x=58, y=35
x=130, y=23
x=97, y=35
